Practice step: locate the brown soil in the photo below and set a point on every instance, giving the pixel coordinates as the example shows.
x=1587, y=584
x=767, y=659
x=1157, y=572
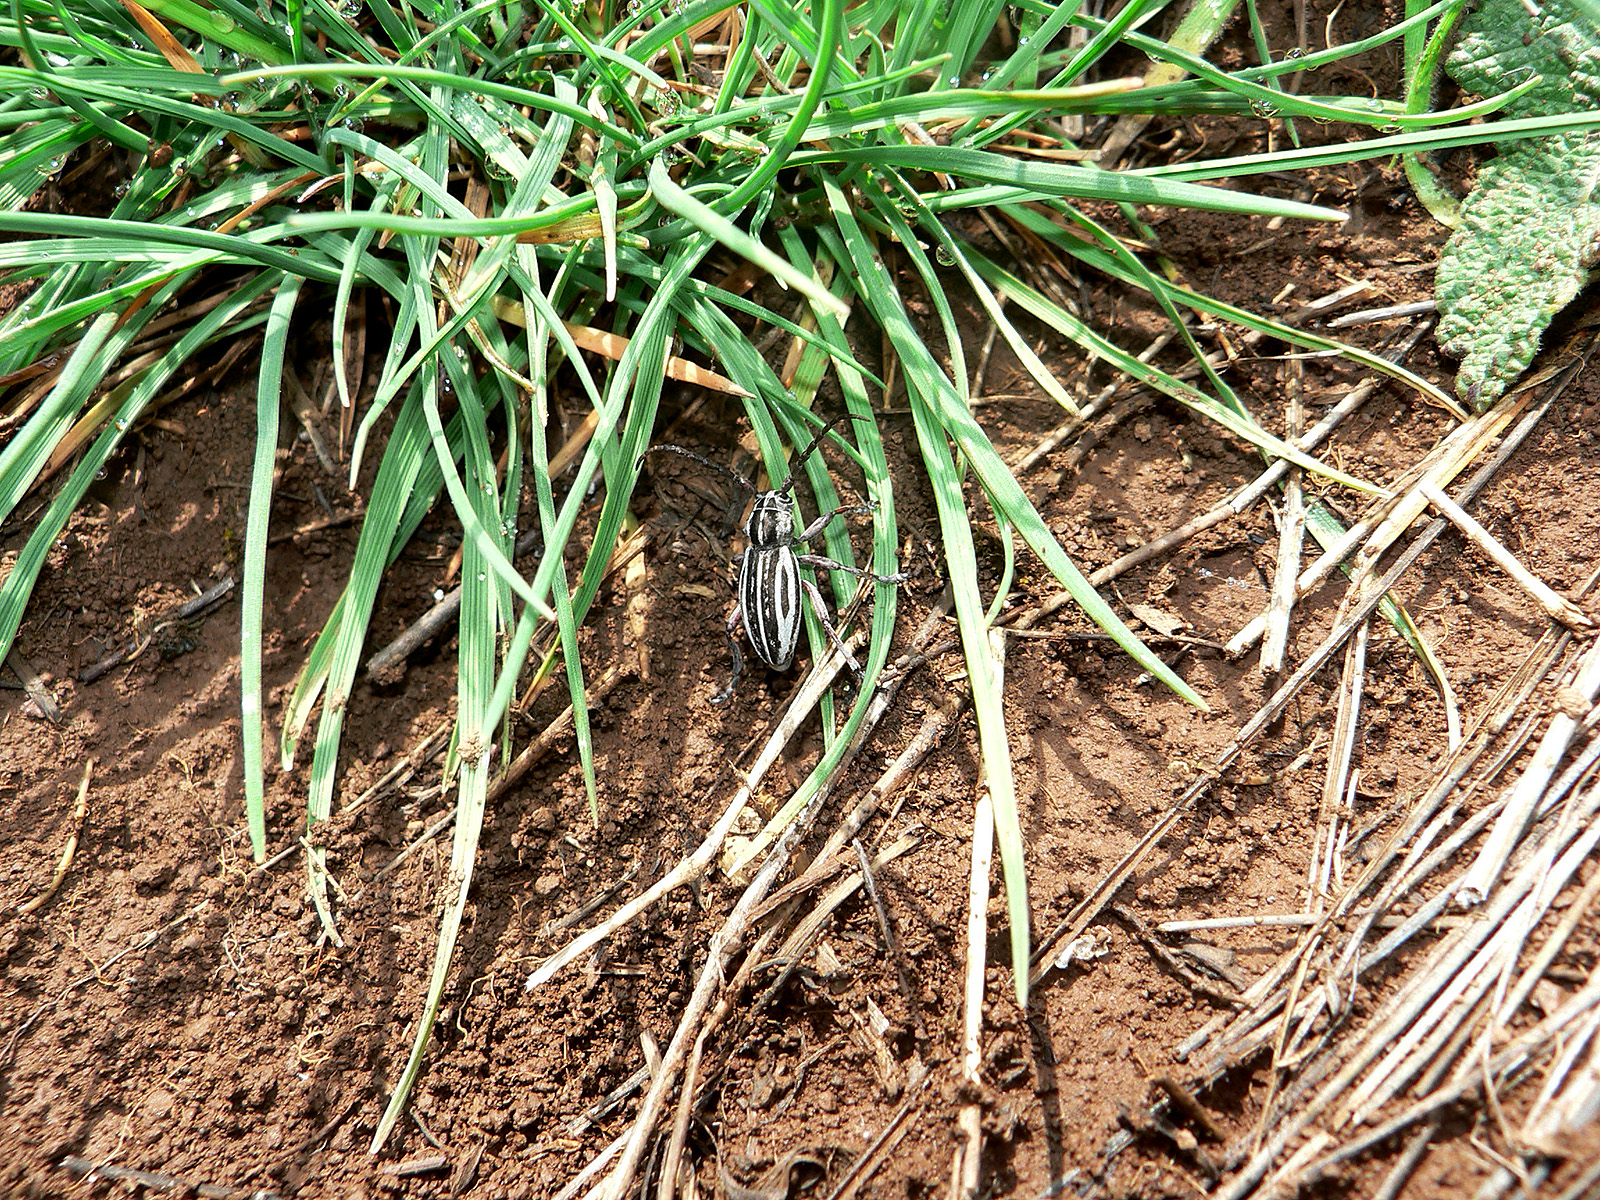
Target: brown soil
x=172, y=1010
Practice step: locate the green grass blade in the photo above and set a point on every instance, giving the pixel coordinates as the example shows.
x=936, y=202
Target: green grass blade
x=269, y=397
x=24, y=574
x=1054, y=179
x=1057, y=317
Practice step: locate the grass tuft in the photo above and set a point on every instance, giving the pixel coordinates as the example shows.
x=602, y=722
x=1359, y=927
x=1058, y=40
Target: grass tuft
x=596, y=168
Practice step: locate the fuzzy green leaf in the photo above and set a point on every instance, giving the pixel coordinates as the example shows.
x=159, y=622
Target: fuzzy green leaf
x=1530, y=230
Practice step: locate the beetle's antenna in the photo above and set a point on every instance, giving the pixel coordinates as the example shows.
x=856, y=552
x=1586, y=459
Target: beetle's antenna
x=704, y=462
x=788, y=484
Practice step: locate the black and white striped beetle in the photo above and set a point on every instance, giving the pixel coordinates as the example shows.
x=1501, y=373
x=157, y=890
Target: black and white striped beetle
x=770, y=584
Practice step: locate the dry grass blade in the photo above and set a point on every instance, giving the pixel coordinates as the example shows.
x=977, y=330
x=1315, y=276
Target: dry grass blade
x=80, y=809
x=724, y=943
x=1460, y=995
x=699, y=1021
x=1575, y=700
x=1291, y=535
x=1332, y=1072
x=1555, y=605
x=698, y=863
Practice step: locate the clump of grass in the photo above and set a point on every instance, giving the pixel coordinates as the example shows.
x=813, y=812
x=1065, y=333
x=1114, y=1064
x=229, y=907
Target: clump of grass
x=513, y=178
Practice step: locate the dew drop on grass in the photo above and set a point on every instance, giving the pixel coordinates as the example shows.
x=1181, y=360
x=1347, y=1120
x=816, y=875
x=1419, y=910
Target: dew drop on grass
x=943, y=257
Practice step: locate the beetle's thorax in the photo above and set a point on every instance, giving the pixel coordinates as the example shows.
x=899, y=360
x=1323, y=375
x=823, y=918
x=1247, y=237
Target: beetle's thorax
x=771, y=522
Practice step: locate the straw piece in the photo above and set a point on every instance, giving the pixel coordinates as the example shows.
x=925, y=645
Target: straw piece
x=1520, y=804
x=1556, y=605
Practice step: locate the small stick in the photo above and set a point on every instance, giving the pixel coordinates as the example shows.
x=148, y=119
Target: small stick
x=305, y=411
x=83, y=1168
x=35, y=686
x=862, y=1168
x=1085, y=414
x=576, y=1183
x=601, y=1108
x=891, y=941
x=595, y=903
x=417, y=1166
x=1076, y=921
x=189, y=608
x=422, y=839
x=1184, y=1099
x=79, y=810
x=1315, y=308
x=1291, y=536
x=338, y=520
x=982, y=368
x=969, y=1156
x=385, y=665
x=404, y=769
x=1557, y=606
x=1406, y=1165
x=1223, y=994
x=1270, y=920
x=1389, y=313
x=557, y=729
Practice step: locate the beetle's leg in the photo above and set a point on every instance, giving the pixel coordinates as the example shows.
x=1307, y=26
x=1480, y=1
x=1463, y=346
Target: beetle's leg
x=734, y=619
x=821, y=609
x=821, y=523
x=827, y=564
